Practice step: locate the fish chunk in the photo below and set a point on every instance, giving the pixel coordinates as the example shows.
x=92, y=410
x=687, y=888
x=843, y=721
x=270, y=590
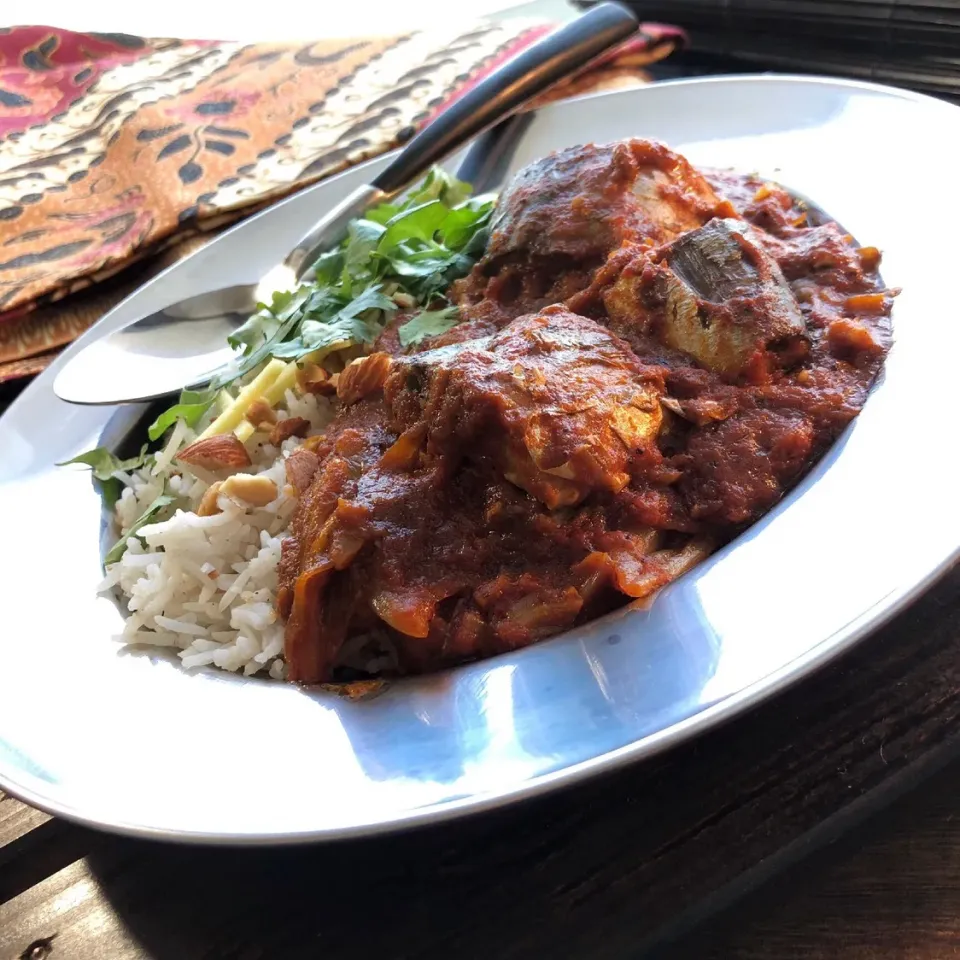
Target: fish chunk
x=583, y=202
x=713, y=293
x=558, y=403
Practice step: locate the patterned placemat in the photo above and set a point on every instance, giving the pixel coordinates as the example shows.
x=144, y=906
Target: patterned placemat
x=120, y=154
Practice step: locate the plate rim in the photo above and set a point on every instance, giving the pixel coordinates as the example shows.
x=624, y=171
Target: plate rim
x=726, y=709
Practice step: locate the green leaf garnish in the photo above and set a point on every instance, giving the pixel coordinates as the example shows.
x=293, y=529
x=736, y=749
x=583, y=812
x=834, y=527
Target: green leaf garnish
x=383, y=213
x=418, y=223
x=328, y=266
x=259, y=326
x=466, y=221
x=104, y=464
x=192, y=406
x=417, y=247
x=440, y=185
x=118, y=549
x=428, y=323
x=362, y=239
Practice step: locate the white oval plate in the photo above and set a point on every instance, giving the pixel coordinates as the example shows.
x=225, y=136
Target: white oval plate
x=134, y=743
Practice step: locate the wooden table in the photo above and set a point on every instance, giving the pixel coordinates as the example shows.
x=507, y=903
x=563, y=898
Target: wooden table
x=887, y=890
x=624, y=865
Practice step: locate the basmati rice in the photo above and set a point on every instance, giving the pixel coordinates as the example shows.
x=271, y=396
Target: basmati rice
x=208, y=585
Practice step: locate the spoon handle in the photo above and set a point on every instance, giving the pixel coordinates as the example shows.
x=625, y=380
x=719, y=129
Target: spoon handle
x=508, y=88
x=486, y=163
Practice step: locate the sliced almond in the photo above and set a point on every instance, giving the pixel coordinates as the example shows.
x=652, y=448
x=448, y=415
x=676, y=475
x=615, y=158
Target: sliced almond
x=261, y=413
x=312, y=378
x=291, y=427
x=300, y=467
x=216, y=453
x=403, y=299
x=258, y=491
x=363, y=376
x=208, y=505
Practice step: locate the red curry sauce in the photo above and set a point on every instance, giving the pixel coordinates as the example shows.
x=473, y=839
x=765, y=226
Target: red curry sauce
x=650, y=358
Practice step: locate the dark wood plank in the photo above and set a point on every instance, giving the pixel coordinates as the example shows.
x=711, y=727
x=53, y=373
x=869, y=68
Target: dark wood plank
x=17, y=819
x=594, y=871
x=33, y=845
x=888, y=890
x=69, y=905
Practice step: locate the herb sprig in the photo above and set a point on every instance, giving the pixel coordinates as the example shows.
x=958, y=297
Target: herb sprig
x=416, y=248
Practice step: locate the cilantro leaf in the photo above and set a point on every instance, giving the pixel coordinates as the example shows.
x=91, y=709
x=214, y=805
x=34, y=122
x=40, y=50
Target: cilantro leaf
x=193, y=404
x=371, y=299
x=337, y=335
x=417, y=223
x=104, y=464
x=383, y=212
x=347, y=327
x=264, y=325
x=328, y=266
x=259, y=327
x=440, y=185
x=465, y=221
x=119, y=548
x=428, y=323
x=363, y=237
x=290, y=318
x=414, y=268
x=252, y=332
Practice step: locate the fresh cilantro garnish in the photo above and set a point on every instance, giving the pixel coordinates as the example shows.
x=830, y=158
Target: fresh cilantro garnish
x=417, y=248
x=329, y=323
x=428, y=323
x=440, y=185
x=104, y=464
x=192, y=405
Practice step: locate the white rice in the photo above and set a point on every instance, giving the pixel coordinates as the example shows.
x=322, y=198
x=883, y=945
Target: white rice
x=208, y=585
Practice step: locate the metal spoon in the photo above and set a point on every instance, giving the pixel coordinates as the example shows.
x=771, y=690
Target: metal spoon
x=185, y=343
